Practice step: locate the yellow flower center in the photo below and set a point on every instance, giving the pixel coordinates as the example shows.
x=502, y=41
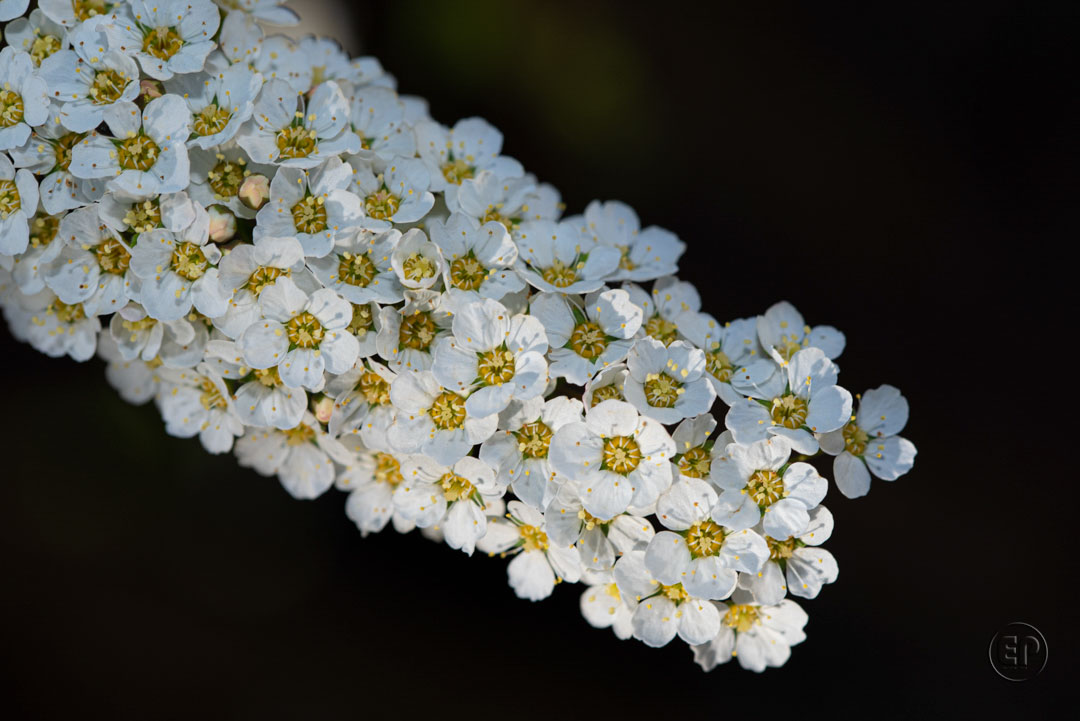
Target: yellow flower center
x=211, y=119
x=139, y=152
x=375, y=390
x=143, y=217
x=211, y=396
x=766, y=487
x=588, y=340
x=67, y=313
x=855, y=439
x=494, y=212
x=137, y=326
x=162, y=42
x=226, y=177
x=534, y=539
x=296, y=141
x=10, y=200
x=86, y=9
x=417, y=331
x=107, y=87
x=189, y=261
x=382, y=204
x=606, y=393
x=468, y=273
x=719, y=365
x=11, y=108
x=112, y=257
x=43, y=46
x=448, y=411
x=309, y=215
x=362, y=320
x=788, y=347
x=43, y=229
x=457, y=170
x=704, y=539
x=741, y=617
x=300, y=435
x=355, y=269
x=695, y=463
x=621, y=454
x=263, y=277
x=624, y=261
x=661, y=329
x=417, y=267
x=589, y=521
x=495, y=367
x=534, y=439
x=62, y=149
x=779, y=550
x=789, y=411
x=662, y=391
x=560, y=274
x=268, y=377
x=676, y=593
x=304, y=331
x=455, y=487
x=388, y=470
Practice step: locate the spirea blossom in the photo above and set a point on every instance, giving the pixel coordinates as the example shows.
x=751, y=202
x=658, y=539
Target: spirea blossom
x=301, y=267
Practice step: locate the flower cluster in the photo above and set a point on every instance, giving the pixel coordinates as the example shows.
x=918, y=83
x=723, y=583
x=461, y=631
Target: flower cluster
x=298, y=265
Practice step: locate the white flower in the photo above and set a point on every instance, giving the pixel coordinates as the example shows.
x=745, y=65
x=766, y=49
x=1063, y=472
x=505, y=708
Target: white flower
x=795, y=563
x=315, y=207
x=396, y=194
x=12, y=9
x=509, y=201
x=24, y=99
x=37, y=35
x=599, y=542
x=167, y=37
x=660, y=611
x=667, y=383
x=407, y=336
x=135, y=380
x=757, y=636
x=18, y=204
x=479, y=259
x=783, y=333
x=538, y=563
x=302, y=457
x=315, y=60
x=141, y=214
x=372, y=480
x=618, y=458
x=870, y=441
x=645, y=254
x=602, y=605
x=586, y=340
x=198, y=403
x=47, y=152
x=757, y=483
x=359, y=267
x=220, y=100
x=450, y=496
x=289, y=129
x=177, y=344
x=693, y=450
x=70, y=13
x=92, y=267
x=56, y=328
x=495, y=355
x=557, y=258
x=267, y=11
x=519, y=450
x=217, y=176
x=362, y=403
x=146, y=154
x=797, y=401
x=433, y=421
x=262, y=400
x=416, y=261
x=672, y=305
x=28, y=267
x=607, y=385
x=248, y=270
x=732, y=354
x=179, y=270
x=453, y=155
x=697, y=551
x=300, y=335
x=378, y=119
x=240, y=40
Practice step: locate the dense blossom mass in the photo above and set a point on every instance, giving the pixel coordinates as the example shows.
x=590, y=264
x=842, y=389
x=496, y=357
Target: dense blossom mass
x=298, y=265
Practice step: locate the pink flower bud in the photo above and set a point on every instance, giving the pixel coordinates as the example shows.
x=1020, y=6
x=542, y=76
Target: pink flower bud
x=222, y=224
x=323, y=408
x=255, y=191
x=150, y=89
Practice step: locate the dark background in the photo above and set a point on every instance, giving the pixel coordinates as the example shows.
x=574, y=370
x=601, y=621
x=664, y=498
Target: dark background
x=907, y=176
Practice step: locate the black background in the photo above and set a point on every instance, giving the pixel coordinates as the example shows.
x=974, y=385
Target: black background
x=908, y=177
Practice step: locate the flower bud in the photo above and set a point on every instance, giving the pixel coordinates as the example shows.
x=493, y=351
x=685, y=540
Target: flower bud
x=222, y=224
x=323, y=408
x=149, y=90
x=255, y=191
